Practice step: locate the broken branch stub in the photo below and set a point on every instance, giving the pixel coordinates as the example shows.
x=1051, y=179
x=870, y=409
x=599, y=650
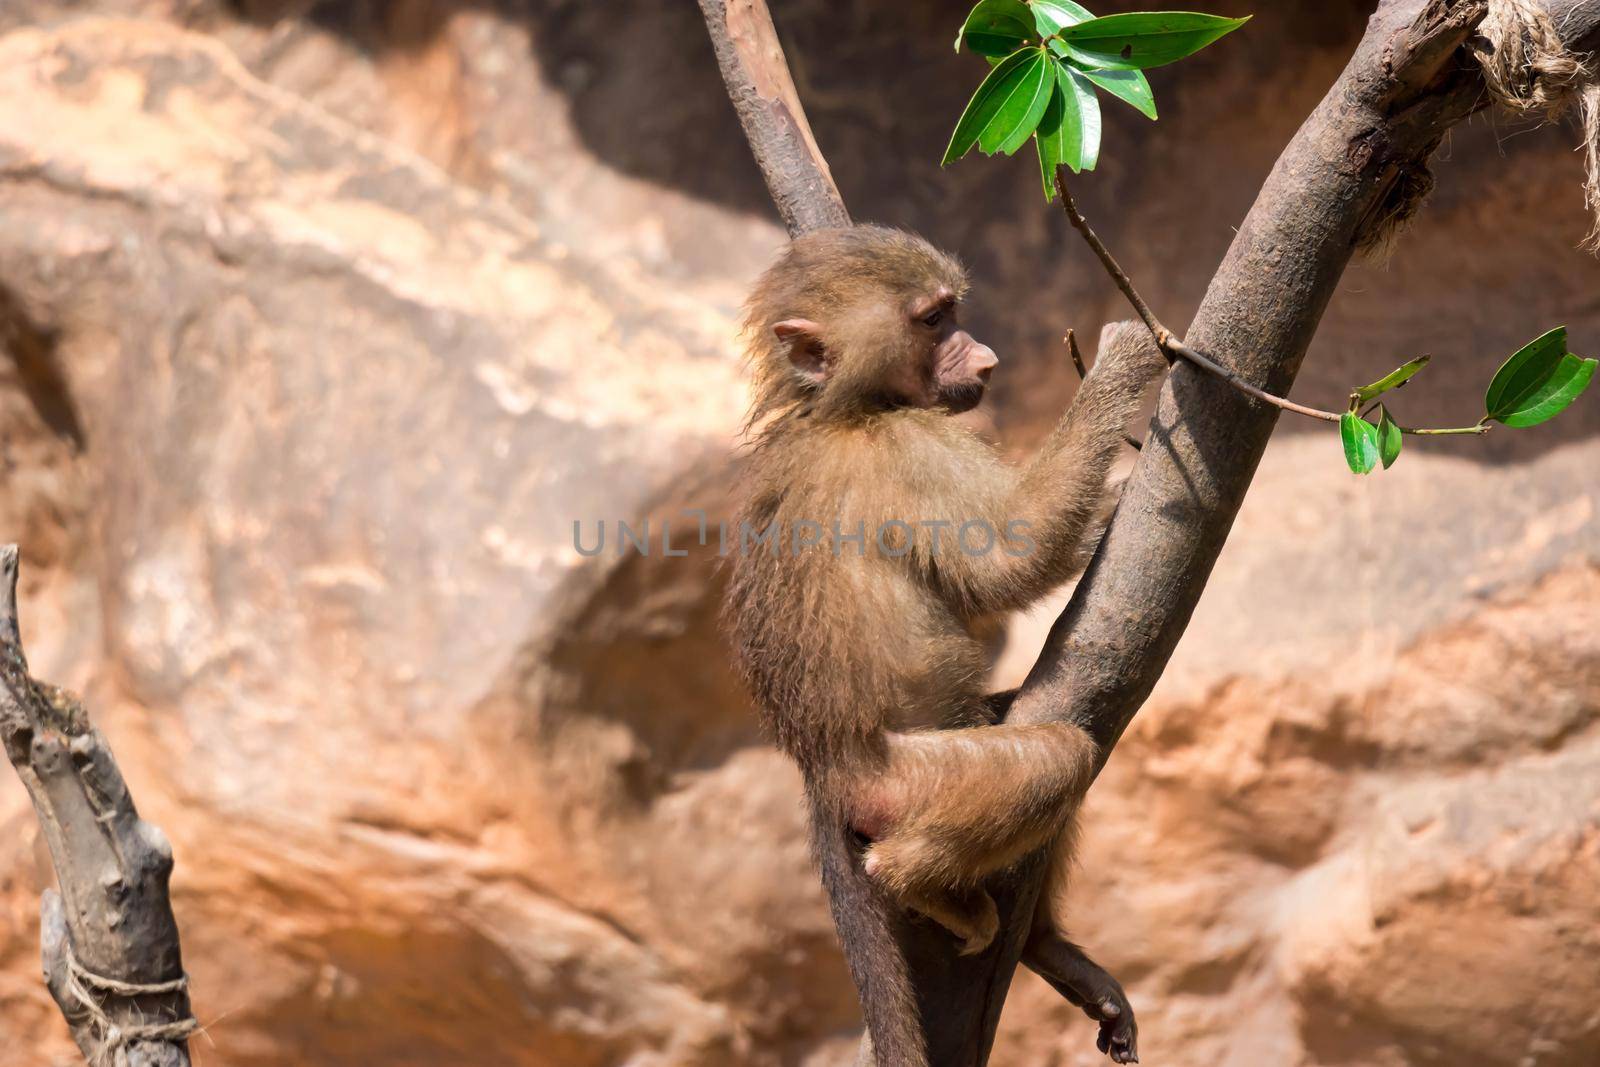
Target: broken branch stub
x=109, y=940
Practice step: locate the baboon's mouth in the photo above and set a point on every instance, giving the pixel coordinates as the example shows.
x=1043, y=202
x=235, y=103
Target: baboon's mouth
x=962, y=397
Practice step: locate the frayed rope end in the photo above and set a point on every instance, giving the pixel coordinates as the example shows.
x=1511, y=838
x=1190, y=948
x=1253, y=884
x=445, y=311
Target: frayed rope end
x=1530, y=70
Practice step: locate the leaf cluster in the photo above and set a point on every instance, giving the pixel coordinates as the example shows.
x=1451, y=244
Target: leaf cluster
x=1050, y=59
x=1538, y=382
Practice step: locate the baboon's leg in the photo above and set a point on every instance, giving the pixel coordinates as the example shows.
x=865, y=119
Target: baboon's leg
x=1088, y=985
x=950, y=807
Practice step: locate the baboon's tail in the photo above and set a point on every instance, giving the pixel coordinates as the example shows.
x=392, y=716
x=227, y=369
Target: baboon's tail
x=867, y=923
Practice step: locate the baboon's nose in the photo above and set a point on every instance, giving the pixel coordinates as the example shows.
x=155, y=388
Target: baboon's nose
x=983, y=362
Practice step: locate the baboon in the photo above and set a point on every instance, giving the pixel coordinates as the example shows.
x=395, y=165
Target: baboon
x=879, y=541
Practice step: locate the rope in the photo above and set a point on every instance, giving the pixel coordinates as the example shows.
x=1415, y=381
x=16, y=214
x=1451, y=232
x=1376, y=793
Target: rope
x=90, y=989
x=1529, y=70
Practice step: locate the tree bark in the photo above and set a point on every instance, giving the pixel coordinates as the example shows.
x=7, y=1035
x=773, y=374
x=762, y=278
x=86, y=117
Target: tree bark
x=762, y=91
x=110, y=943
x=1350, y=167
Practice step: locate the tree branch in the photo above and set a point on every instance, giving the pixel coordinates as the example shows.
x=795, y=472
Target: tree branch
x=762, y=91
x=110, y=943
x=1353, y=165
x=1174, y=346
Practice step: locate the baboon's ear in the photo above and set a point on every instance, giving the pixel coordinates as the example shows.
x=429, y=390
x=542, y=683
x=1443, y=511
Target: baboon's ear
x=806, y=350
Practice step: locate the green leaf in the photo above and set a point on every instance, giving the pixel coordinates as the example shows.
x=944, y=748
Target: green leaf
x=1139, y=40
x=1077, y=87
x=1051, y=16
x=1057, y=140
x=1393, y=380
x=1389, y=438
x=1521, y=376
x=1360, y=439
x=1021, y=106
x=1570, y=378
x=997, y=28
x=1069, y=132
x=986, y=103
x=1129, y=86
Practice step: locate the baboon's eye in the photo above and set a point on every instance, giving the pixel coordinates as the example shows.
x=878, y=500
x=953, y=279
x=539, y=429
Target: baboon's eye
x=934, y=317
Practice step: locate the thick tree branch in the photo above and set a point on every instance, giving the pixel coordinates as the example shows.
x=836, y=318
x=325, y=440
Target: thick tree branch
x=1355, y=165
x=110, y=943
x=775, y=124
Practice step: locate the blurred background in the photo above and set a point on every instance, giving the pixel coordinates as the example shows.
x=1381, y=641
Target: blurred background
x=322, y=322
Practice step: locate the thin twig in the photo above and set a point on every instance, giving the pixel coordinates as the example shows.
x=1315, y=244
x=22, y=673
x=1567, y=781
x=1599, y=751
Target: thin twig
x=1077, y=356
x=1173, y=346
x=1453, y=431
x=1165, y=338
x=1077, y=361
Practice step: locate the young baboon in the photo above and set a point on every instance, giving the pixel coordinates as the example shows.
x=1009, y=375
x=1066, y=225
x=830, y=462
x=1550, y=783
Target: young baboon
x=879, y=539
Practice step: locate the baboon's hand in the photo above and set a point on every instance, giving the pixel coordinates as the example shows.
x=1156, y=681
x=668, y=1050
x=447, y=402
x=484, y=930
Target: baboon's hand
x=1128, y=357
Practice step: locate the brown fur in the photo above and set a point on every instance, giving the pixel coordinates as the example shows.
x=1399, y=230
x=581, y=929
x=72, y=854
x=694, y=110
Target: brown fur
x=862, y=662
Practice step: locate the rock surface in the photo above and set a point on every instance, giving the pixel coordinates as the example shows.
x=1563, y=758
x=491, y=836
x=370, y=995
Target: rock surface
x=324, y=322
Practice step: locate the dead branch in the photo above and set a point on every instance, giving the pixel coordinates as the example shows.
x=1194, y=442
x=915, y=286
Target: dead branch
x=110, y=944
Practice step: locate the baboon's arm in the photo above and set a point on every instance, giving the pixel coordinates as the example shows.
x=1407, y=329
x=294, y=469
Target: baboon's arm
x=1045, y=518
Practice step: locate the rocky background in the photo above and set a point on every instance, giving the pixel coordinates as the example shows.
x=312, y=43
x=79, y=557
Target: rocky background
x=322, y=323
